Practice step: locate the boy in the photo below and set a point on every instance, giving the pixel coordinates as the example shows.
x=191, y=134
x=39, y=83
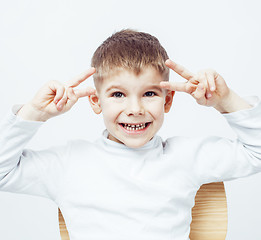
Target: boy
x=129, y=183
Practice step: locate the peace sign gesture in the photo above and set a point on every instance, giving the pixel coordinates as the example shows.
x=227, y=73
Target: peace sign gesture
x=55, y=98
x=207, y=86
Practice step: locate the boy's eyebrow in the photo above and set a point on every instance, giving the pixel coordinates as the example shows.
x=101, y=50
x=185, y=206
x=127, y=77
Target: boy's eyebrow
x=155, y=86
x=114, y=86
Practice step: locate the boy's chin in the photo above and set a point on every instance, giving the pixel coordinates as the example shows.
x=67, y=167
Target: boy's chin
x=135, y=144
x=131, y=143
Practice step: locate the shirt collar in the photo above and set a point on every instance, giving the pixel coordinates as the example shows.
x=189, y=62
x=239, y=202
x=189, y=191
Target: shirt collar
x=153, y=143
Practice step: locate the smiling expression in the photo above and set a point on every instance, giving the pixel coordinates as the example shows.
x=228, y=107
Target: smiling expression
x=133, y=106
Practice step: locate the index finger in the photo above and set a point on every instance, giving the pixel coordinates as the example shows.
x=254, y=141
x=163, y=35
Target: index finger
x=81, y=78
x=183, y=72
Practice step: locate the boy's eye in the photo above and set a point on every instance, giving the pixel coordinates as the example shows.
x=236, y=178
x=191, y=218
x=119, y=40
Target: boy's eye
x=150, y=94
x=117, y=94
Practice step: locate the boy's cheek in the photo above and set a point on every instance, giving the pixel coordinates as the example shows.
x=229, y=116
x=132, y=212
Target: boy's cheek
x=111, y=108
x=110, y=114
x=156, y=106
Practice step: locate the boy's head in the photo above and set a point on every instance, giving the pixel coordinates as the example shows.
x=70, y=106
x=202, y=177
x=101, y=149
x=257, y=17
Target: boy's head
x=129, y=67
x=129, y=50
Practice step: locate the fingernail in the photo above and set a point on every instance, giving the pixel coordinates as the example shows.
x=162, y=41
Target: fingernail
x=212, y=88
x=209, y=95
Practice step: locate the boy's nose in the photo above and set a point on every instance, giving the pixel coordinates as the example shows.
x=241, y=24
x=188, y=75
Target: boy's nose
x=134, y=107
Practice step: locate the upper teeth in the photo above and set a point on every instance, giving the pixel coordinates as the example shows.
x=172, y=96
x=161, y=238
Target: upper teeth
x=134, y=126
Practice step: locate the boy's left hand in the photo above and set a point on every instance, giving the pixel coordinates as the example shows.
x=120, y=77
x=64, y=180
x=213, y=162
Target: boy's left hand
x=207, y=86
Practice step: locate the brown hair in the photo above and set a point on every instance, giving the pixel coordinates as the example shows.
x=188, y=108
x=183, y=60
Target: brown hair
x=131, y=50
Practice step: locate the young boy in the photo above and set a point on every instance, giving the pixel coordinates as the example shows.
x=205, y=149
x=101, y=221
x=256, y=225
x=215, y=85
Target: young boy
x=129, y=183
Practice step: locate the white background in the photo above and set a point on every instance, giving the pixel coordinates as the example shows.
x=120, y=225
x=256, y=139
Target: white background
x=52, y=39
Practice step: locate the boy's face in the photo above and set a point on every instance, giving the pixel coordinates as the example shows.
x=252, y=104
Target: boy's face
x=133, y=106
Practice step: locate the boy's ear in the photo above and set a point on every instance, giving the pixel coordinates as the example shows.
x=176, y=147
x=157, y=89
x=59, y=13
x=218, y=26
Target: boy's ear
x=168, y=100
x=95, y=103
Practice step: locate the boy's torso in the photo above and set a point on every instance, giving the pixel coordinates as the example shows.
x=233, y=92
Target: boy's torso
x=112, y=192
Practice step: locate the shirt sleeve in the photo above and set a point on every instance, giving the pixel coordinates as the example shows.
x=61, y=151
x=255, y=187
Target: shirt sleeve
x=25, y=171
x=220, y=159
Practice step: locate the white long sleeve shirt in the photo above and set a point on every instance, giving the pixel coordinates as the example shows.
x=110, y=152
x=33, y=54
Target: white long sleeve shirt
x=107, y=191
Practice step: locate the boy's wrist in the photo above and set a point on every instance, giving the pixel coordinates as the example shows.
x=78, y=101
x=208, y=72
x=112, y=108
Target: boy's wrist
x=29, y=113
x=232, y=103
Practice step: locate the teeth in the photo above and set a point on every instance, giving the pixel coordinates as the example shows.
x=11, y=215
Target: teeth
x=133, y=127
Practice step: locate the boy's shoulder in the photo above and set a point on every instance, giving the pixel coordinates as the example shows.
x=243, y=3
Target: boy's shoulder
x=185, y=139
x=175, y=141
x=190, y=144
x=81, y=143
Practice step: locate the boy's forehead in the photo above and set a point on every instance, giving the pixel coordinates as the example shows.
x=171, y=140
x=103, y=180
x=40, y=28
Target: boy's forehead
x=127, y=78
x=148, y=74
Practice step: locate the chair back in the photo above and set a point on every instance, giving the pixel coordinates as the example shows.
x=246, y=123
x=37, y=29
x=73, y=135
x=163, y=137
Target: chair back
x=209, y=215
x=63, y=230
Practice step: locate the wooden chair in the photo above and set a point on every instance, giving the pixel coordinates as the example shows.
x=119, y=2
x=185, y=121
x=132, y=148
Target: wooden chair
x=209, y=215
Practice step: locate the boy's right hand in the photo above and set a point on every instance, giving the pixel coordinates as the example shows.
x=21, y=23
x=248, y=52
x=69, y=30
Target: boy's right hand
x=55, y=98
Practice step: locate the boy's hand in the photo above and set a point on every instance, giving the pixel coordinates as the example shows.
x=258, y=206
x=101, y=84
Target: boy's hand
x=207, y=86
x=55, y=98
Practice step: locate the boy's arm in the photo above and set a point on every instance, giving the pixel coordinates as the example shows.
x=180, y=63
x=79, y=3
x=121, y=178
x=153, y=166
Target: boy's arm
x=221, y=159
x=232, y=103
x=215, y=158
x=22, y=170
x=36, y=172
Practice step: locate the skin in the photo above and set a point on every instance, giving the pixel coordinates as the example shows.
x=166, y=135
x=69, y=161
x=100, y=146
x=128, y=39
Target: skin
x=55, y=98
x=135, y=101
x=207, y=87
x=132, y=100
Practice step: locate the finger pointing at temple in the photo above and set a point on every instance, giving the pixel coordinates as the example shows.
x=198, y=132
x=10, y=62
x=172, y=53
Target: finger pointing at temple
x=174, y=86
x=78, y=80
x=81, y=78
x=183, y=72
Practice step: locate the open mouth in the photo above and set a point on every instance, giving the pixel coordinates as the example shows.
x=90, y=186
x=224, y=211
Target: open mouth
x=135, y=127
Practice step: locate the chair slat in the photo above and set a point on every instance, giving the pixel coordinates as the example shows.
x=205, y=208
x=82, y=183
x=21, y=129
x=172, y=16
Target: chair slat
x=209, y=215
x=63, y=230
